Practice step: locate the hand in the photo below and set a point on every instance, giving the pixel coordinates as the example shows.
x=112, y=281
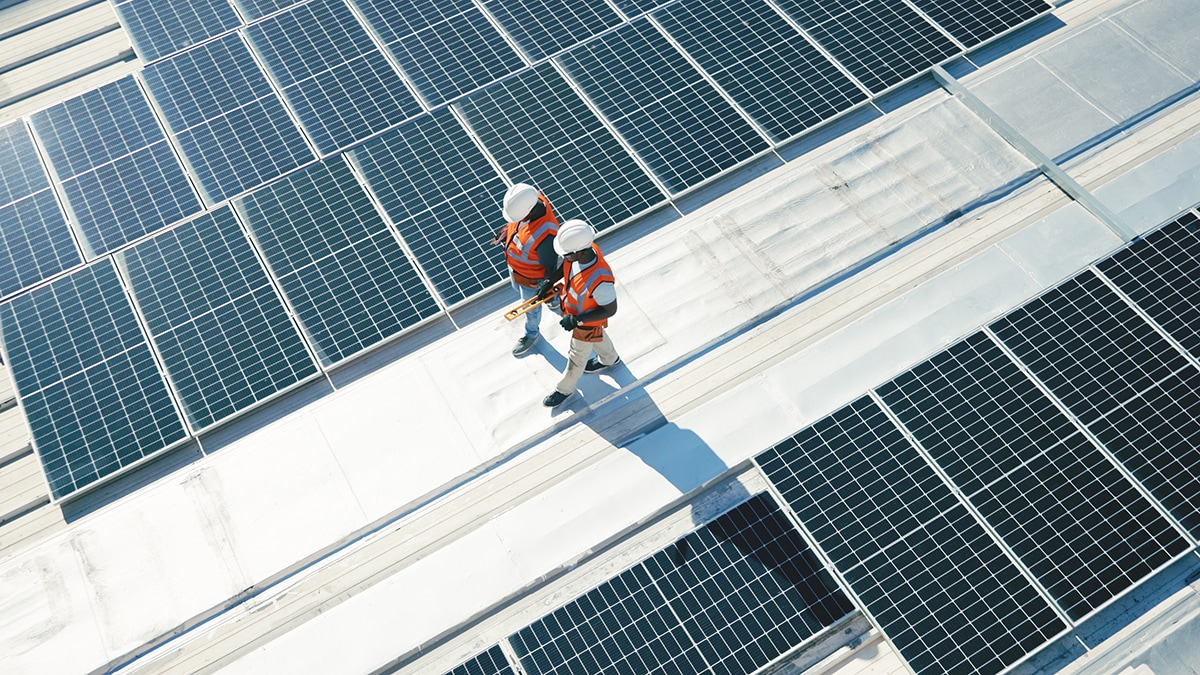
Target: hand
x=545, y=289
x=500, y=235
x=569, y=322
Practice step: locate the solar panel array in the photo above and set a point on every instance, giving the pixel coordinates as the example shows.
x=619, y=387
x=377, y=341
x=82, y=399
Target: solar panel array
x=996, y=495
x=730, y=598
x=409, y=119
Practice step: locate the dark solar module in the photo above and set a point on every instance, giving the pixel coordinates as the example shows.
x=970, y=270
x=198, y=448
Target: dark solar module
x=881, y=42
x=543, y=134
x=772, y=72
x=339, y=83
x=234, y=131
x=545, y=27
x=1067, y=512
x=671, y=116
x=491, y=662
x=35, y=242
x=95, y=400
x=1161, y=273
x=972, y=22
x=223, y=333
x=162, y=27
x=1089, y=347
x=445, y=47
x=444, y=197
x=21, y=172
x=340, y=267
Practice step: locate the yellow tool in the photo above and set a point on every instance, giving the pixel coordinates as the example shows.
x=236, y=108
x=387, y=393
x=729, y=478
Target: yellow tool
x=530, y=304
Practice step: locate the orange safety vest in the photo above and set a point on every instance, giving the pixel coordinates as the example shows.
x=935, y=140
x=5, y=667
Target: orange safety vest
x=522, y=241
x=577, y=292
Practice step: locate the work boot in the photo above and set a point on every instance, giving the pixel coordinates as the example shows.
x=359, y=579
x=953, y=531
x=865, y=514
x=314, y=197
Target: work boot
x=524, y=345
x=555, y=399
x=594, y=365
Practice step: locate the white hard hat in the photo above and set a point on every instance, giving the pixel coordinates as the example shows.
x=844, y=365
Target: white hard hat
x=519, y=201
x=574, y=235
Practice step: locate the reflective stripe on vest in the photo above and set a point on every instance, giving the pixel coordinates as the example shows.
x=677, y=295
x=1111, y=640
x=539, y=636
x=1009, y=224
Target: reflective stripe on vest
x=577, y=293
x=523, y=241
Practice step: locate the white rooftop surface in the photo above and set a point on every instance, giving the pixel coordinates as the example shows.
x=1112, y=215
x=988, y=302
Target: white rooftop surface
x=365, y=521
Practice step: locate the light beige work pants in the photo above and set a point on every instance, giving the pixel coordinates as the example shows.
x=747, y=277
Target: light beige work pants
x=577, y=357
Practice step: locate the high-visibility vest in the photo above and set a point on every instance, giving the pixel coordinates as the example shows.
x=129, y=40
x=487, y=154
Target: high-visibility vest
x=577, y=292
x=523, y=240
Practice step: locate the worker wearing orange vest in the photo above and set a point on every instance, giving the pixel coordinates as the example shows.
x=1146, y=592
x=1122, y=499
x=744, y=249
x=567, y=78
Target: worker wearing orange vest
x=528, y=241
x=588, y=298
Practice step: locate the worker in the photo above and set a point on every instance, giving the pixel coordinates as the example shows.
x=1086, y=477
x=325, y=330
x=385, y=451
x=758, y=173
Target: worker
x=528, y=241
x=587, y=299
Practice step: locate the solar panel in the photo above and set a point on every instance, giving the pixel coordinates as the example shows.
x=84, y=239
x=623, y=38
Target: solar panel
x=340, y=268
x=443, y=196
x=671, y=116
x=95, y=399
x=225, y=338
x=445, y=47
x=234, y=131
x=632, y=8
x=544, y=27
x=162, y=27
x=882, y=43
x=542, y=133
x=257, y=9
x=1161, y=273
x=35, y=242
x=21, y=172
x=772, y=72
x=972, y=22
x=941, y=589
x=120, y=177
x=491, y=662
x=340, y=85
x=1071, y=517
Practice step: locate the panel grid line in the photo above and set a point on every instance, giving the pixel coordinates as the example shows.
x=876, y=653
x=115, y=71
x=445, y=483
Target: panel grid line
x=1192, y=359
x=820, y=48
x=380, y=45
x=920, y=12
x=277, y=91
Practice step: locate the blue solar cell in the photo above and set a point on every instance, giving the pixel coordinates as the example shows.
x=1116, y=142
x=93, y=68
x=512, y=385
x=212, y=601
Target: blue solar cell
x=544, y=27
x=340, y=85
x=442, y=194
x=35, y=242
x=445, y=47
x=542, y=133
x=234, y=131
x=339, y=266
x=95, y=399
x=21, y=172
x=162, y=27
x=671, y=116
x=768, y=67
x=224, y=335
x=972, y=22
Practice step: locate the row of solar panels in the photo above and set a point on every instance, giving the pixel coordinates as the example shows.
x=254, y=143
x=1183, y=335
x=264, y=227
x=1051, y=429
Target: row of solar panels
x=975, y=507
x=609, y=129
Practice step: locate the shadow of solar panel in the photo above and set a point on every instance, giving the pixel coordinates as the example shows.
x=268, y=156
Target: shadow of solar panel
x=443, y=196
x=120, y=177
x=234, y=131
x=341, y=87
x=257, y=9
x=95, y=399
x=544, y=27
x=445, y=47
x=671, y=116
x=35, y=242
x=768, y=67
x=1089, y=347
x=339, y=266
x=882, y=43
x=162, y=27
x=542, y=133
x=21, y=172
x=973, y=22
x=942, y=590
x=1161, y=273
x=747, y=588
x=225, y=338
x=491, y=662
x=1071, y=517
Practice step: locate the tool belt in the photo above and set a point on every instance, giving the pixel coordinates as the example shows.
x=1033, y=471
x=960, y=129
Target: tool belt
x=522, y=280
x=588, y=333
